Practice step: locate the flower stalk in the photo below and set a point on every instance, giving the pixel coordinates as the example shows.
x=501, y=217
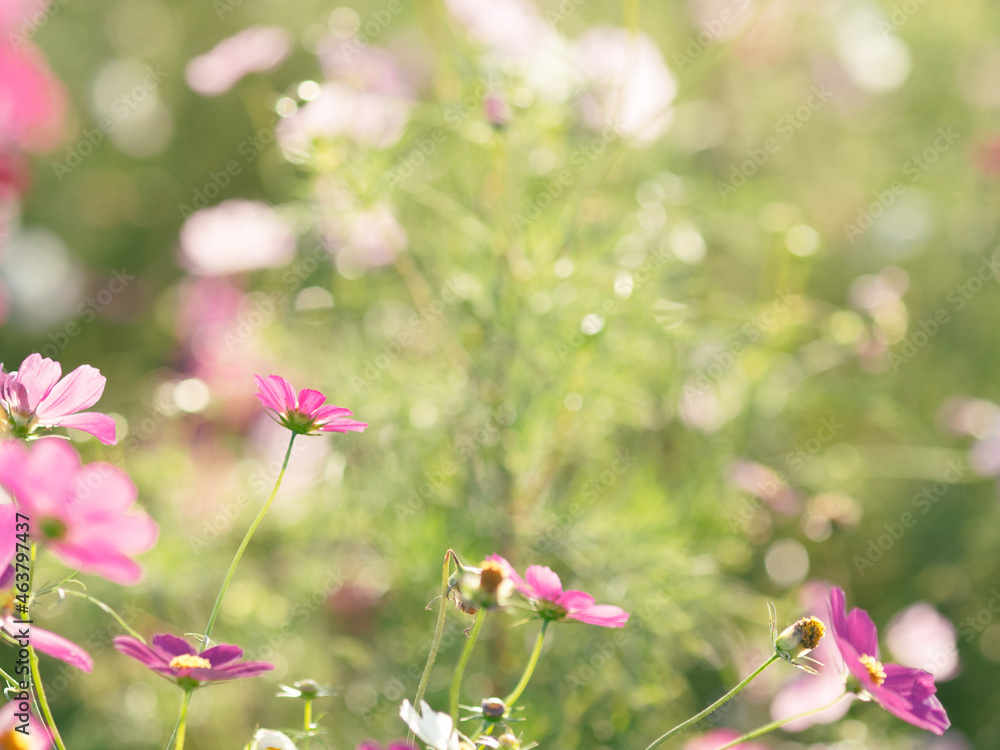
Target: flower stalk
x=456, y=679
x=728, y=696
x=530, y=668
x=759, y=731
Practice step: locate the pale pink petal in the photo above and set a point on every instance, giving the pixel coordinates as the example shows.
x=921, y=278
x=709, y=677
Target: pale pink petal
x=606, y=615
x=344, y=425
x=101, y=426
x=544, y=582
x=62, y=649
x=331, y=411
x=79, y=390
x=38, y=737
x=575, y=600
x=38, y=375
x=107, y=563
x=7, y=541
x=102, y=491
x=275, y=393
x=516, y=579
x=310, y=400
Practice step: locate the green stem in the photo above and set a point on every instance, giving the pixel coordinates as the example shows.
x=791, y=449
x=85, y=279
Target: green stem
x=436, y=641
x=307, y=721
x=698, y=717
x=456, y=680
x=36, y=677
x=775, y=724
x=532, y=661
x=107, y=609
x=243, y=546
x=177, y=739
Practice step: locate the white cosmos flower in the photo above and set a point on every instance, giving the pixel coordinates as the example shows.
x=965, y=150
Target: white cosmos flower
x=268, y=739
x=434, y=728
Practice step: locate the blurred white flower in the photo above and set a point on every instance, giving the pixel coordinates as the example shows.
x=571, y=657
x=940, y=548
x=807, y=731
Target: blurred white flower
x=511, y=27
x=233, y=237
x=254, y=50
x=436, y=729
x=630, y=87
x=269, y=739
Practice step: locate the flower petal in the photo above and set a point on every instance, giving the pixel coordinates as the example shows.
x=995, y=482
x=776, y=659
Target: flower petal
x=606, y=615
x=38, y=375
x=275, y=393
x=172, y=645
x=139, y=651
x=222, y=654
x=909, y=694
x=310, y=401
x=544, y=583
x=861, y=632
x=62, y=649
x=101, y=426
x=79, y=390
x=574, y=600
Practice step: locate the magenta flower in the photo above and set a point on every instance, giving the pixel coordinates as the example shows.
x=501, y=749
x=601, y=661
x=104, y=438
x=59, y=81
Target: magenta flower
x=43, y=640
x=305, y=413
x=904, y=692
x=545, y=591
x=84, y=514
x=37, y=737
x=36, y=399
x=179, y=661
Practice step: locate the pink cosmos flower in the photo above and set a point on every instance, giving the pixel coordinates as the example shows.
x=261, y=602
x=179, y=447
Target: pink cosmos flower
x=304, y=413
x=35, y=399
x=43, y=640
x=37, y=737
x=84, y=514
x=179, y=661
x=545, y=591
x=32, y=100
x=254, y=50
x=904, y=692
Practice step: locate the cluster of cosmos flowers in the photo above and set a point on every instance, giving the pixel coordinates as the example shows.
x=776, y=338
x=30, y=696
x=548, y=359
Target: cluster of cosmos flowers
x=85, y=516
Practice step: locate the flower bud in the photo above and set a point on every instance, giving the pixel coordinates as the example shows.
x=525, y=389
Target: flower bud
x=494, y=709
x=508, y=741
x=800, y=638
x=488, y=586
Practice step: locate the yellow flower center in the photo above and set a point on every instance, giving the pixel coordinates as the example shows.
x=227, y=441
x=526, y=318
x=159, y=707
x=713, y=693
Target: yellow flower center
x=810, y=631
x=190, y=661
x=13, y=740
x=874, y=668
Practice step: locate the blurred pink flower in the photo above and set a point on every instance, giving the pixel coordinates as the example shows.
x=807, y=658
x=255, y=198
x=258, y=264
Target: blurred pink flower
x=920, y=636
x=764, y=483
x=43, y=640
x=543, y=587
x=32, y=100
x=233, y=237
x=366, y=69
x=37, y=737
x=718, y=738
x=257, y=49
x=18, y=17
x=35, y=399
x=630, y=87
x=303, y=413
x=84, y=514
